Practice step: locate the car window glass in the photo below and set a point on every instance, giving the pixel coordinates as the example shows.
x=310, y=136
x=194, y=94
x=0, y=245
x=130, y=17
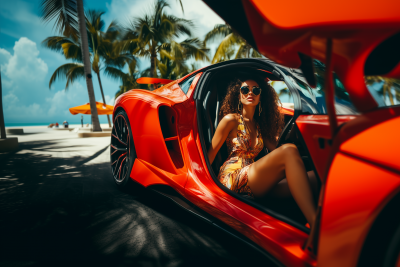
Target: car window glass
x=313, y=99
x=185, y=85
x=386, y=91
x=283, y=92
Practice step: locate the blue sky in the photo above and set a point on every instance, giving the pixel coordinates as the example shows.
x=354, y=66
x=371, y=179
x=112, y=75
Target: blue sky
x=27, y=66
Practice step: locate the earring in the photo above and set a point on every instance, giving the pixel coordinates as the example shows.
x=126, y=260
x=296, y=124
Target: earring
x=259, y=109
x=239, y=106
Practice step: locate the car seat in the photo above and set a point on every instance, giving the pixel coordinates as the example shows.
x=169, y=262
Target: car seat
x=211, y=105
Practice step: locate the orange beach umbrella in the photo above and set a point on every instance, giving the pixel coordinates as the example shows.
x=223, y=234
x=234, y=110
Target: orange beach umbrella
x=102, y=109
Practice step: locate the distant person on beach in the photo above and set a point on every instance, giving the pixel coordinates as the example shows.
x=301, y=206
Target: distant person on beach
x=56, y=125
x=65, y=123
x=82, y=120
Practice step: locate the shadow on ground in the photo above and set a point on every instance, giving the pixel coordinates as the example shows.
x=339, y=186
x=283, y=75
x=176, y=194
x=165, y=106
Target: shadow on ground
x=66, y=212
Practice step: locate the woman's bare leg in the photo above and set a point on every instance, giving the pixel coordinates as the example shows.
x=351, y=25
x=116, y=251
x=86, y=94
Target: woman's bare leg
x=281, y=189
x=265, y=173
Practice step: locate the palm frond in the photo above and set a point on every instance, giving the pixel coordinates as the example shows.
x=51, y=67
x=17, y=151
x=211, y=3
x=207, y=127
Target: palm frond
x=93, y=17
x=74, y=73
x=225, y=45
x=70, y=71
x=65, y=14
x=219, y=31
x=255, y=54
x=72, y=51
x=180, y=2
x=194, y=48
x=114, y=73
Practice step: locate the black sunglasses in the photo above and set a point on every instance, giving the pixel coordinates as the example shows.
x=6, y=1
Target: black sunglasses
x=245, y=90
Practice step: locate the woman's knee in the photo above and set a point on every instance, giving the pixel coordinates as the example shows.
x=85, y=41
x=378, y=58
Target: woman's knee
x=289, y=150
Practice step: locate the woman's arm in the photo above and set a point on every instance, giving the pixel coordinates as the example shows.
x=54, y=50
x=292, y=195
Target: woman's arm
x=225, y=126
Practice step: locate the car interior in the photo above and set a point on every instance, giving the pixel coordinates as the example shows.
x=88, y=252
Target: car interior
x=213, y=92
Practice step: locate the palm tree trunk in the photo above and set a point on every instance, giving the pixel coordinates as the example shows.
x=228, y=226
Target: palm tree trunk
x=87, y=65
x=153, y=72
x=104, y=100
x=2, y=125
x=389, y=90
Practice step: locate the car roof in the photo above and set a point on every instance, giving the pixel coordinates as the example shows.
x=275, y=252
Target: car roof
x=365, y=36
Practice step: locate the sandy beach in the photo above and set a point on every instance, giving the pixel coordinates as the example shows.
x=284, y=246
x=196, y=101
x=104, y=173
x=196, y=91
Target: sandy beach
x=105, y=125
x=59, y=207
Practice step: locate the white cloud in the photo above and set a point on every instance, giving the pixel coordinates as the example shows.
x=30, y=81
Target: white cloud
x=62, y=100
x=25, y=65
x=26, y=94
x=4, y=57
x=19, y=111
x=11, y=100
x=204, y=17
x=23, y=72
x=125, y=10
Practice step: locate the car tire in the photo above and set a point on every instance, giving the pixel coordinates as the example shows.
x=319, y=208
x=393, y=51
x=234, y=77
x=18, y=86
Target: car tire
x=122, y=151
x=392, y=257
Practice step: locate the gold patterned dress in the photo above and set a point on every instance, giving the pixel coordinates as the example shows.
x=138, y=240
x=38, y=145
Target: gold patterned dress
x=233, y=174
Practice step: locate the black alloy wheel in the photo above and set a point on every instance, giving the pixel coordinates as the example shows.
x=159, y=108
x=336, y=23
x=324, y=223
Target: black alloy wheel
x=122, y=150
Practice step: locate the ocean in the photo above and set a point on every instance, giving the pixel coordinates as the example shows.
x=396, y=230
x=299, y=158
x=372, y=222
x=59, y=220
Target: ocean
x=21, y=124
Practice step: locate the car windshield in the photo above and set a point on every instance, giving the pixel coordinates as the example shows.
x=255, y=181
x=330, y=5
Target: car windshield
x=386, y=91
x=313, y=99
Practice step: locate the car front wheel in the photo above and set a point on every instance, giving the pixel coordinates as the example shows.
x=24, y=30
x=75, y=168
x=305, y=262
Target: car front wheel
x=122, y=150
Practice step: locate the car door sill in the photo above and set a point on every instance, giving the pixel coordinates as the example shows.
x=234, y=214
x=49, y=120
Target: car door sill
x=178, y=199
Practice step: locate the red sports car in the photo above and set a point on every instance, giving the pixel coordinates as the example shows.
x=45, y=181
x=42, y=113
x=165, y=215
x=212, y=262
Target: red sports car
x=334, y=58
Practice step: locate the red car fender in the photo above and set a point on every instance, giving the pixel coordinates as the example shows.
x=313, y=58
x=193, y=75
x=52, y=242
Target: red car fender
x=355, y=193
x=364, y=176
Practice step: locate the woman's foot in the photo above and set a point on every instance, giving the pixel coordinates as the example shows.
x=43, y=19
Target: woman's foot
x=312, y=241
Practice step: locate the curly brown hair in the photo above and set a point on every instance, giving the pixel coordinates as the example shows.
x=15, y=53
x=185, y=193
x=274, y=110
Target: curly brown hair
x=271, y=120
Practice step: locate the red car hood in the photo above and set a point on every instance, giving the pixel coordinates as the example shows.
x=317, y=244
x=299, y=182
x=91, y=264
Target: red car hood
x=365, y=35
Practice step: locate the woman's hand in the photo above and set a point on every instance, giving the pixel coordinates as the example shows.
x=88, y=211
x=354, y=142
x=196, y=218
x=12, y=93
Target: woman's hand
x=224, y=128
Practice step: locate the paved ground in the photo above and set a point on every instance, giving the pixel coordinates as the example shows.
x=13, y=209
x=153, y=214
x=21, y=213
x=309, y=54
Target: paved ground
x=60, y=207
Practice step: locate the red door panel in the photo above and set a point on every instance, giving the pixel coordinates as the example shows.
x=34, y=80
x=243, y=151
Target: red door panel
x=316, y=134
x=280, y=239
x=355, y=193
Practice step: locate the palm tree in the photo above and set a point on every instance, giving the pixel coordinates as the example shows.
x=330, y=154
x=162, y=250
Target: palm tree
x=230, y=41
x=70, y=21
x=145, y=36
x=100, y=43
x=102, y=48
x=386, y=89
x=2, y=125
x=128, y=80
x=173, y=56
x=285, y=91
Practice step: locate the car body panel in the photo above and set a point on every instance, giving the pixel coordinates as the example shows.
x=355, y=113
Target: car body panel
x=320, y=14
x=355, y=193
x=142, y=109
x=364, y=175
x=353, y=40
x=282, y=240
x=149, y=80
x=380, y=126
x=314, y=130
x=154, y=166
